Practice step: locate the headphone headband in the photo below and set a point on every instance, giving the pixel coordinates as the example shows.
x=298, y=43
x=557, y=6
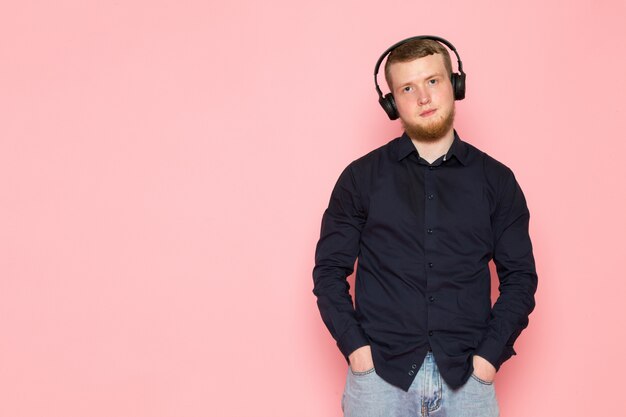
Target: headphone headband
x=457, y=79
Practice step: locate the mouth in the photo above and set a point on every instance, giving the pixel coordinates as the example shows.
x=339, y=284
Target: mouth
x=428, y=113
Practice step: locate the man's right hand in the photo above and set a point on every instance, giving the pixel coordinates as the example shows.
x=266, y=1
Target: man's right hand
x=361, y=359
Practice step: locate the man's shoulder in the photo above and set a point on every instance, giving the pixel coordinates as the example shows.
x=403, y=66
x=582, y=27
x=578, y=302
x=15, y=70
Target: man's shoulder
x=375, y=156
x=491, y=165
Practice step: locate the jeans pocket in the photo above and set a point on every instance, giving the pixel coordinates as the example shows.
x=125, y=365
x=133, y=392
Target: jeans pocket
x=481, y=381
x=364, y=373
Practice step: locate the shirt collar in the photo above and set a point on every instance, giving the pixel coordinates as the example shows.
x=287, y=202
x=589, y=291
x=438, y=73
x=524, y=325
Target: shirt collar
x=458, y=148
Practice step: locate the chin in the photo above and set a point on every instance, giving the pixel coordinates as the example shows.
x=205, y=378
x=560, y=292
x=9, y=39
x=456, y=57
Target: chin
x=431, y=132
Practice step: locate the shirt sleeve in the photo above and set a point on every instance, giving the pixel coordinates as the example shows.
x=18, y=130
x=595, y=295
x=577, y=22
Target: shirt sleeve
x=515, y=266
x=335, y=255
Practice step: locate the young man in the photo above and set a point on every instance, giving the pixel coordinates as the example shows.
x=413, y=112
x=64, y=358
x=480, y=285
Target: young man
x=424, y=214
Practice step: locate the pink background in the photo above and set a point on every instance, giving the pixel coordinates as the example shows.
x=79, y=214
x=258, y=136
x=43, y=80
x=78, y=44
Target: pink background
x=164, y=167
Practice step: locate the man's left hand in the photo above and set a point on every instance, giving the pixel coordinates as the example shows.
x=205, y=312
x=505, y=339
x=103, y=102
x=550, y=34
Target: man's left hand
x=483, y=369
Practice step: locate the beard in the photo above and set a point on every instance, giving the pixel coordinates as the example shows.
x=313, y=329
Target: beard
x=432, y=131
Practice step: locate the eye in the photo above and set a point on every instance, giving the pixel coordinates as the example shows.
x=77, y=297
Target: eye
x=407, y=89
x=432, y=81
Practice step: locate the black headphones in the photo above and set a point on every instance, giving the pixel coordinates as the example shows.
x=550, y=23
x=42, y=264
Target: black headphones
x=457, y=78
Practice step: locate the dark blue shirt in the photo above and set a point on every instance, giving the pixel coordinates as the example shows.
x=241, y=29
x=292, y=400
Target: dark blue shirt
x=424, y=235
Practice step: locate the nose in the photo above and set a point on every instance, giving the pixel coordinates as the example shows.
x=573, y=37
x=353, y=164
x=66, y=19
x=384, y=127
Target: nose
x=423, y=97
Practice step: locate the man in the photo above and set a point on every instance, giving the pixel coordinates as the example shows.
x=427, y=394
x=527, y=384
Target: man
x=424, y=214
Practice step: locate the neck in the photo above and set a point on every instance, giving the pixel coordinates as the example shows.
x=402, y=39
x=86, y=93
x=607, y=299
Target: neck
x=430, y=149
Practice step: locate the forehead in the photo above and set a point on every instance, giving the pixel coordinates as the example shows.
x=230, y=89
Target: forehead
x=417, y=69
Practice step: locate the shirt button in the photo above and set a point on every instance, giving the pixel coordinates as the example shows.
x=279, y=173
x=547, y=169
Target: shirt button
x=431, y=298
x=429, y=231
x=430, y=264
x=411, y=373
x=431, y=168
x=431, y=196
x=430, y=333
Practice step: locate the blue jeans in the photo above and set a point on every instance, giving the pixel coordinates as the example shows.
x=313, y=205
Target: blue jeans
x=368, y=395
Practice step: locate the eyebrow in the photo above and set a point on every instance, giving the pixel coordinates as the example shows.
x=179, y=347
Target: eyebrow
x=428, y=77
x=435, y=74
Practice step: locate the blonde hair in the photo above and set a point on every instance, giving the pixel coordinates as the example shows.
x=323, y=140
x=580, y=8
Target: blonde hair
x=414, y=49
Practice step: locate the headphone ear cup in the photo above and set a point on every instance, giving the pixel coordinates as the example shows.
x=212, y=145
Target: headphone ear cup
x=458, y=85
x=389, y=106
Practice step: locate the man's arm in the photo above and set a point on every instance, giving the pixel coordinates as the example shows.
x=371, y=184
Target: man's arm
x=516, y=271
x=335, y=255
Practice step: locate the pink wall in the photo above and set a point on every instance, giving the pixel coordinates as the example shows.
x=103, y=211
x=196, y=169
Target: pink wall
x=164, y=167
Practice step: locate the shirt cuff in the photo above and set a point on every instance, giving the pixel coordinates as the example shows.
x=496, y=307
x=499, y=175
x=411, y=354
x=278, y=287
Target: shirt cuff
x=351, y=340
x=494, y=352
